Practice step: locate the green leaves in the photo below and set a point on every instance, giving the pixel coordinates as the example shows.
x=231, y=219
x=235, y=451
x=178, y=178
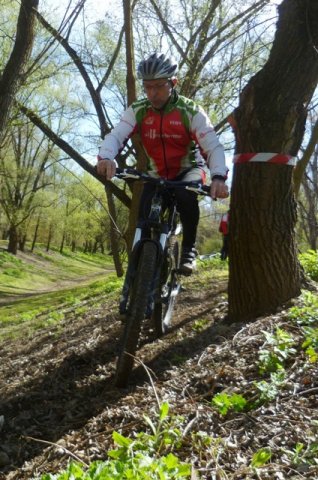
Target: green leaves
x=268, y=391
x=277, y=348
x=309, y=260
x=224, y=402
x=310, y=344
x=307, y=318
x=146, y=457
x=121, y=441
x=307, y=314
x=261, y=457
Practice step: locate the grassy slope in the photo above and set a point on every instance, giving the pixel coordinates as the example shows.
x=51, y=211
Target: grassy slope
x=38, y=289
x=40, y=270
x=40, y=286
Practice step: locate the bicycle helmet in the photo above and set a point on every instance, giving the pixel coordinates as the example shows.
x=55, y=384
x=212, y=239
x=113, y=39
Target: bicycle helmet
x=158, y=65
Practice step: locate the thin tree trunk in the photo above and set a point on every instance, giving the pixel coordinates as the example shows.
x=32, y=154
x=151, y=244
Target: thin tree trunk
x=12, y=74
x=21, y=242
x=49, y=238
x=62, y=242
x=114, y=244
x=13, y=240
x=36, y=230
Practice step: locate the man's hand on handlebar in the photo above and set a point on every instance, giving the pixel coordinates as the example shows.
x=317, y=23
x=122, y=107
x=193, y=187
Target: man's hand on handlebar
x=218, y=189
x=106, y=167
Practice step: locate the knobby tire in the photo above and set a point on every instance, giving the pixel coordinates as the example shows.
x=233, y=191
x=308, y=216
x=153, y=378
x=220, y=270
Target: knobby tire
x=139, y=297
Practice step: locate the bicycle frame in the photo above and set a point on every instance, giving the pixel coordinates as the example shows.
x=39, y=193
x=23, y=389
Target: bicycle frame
x=161, y=223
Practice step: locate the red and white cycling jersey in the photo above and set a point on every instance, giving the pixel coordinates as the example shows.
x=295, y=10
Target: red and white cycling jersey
x=175, y=139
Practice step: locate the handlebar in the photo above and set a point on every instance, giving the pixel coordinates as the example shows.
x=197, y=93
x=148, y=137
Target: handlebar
x=131, y=173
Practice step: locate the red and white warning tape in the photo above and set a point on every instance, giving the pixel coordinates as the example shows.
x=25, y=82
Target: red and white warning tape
x=265, y=157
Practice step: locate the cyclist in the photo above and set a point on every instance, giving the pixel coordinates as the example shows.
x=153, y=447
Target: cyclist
x=179, y=141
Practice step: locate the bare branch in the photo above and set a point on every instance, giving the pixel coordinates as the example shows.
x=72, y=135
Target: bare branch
x=95, y=95
x=120, y=194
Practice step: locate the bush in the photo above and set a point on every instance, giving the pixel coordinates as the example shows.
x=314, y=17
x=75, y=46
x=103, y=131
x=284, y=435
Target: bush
x=309, y=261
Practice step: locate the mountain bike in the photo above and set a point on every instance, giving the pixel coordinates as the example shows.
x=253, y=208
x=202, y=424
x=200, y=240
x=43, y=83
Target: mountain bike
x=152, y=280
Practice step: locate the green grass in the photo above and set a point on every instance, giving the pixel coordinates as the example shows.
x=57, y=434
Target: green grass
x=39, y=311
x=38, y=288
x=41, y=270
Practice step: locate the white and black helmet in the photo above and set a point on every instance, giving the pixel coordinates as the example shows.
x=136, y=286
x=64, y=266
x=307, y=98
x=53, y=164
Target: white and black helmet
x=158, y=65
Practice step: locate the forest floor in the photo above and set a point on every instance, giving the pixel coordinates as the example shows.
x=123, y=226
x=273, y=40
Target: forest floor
x=58, y=401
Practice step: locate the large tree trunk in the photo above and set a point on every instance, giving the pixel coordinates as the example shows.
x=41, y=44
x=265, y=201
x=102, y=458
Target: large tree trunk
x=264, y=270
x=12, y=74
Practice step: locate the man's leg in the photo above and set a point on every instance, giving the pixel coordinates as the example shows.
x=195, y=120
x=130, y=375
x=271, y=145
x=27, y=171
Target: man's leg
x=188, y=207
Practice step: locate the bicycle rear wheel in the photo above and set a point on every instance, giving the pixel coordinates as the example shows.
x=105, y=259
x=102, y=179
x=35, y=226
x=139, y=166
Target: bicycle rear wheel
x=140, y=294
x=169, y=289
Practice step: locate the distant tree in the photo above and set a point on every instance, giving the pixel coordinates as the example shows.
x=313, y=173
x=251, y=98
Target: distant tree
x=24, y=157
x=271, y=116
x=308, y=202
x=306, y=186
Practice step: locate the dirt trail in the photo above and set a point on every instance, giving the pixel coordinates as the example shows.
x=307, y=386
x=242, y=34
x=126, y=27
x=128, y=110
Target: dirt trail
x=57, y=391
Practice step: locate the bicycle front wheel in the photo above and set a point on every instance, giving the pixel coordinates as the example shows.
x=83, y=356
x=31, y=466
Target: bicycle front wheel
x=140, y=296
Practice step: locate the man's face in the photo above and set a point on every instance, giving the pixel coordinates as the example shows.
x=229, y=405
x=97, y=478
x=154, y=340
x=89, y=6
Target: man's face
x=158, y=91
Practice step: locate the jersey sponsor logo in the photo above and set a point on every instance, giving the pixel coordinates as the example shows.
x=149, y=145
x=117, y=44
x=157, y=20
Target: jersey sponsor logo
x=152, y=134
x=149, y=120
x=172, y=135
x=175, y=122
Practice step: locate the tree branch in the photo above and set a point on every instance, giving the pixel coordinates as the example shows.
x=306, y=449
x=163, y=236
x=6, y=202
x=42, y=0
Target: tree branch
x=95, y=94
x=119, y=193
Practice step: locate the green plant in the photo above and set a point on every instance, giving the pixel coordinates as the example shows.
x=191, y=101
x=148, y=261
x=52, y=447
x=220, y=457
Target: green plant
x=224, y=402
x=81, y=310
x=147, y=456
x=308, y=313
x=214, y=262
x=14, y=272
x=200, y=325
x=277, y=348
x=303, y=454
x=309, y=261
x=261, y=457
x=8, y=258
x=208, y=448
x=310, y=344
x=269, y=390
x=55, y=317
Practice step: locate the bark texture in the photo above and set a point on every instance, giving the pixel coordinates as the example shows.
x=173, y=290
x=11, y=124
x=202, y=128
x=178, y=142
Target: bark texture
x=264, y=270
x=12, y=75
